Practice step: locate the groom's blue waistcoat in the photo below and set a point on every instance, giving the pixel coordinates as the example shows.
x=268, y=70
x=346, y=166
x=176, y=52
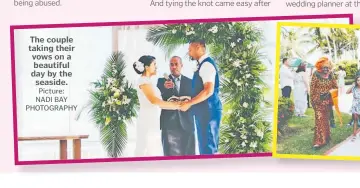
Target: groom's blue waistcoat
x=213, y=102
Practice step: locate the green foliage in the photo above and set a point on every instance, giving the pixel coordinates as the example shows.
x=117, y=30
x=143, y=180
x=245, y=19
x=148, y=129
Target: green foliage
x=350, y=66
x=236, y=49
x=285, y=112
x=113, y=103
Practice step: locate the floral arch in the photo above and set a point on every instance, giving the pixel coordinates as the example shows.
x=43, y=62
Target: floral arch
x=236, y=48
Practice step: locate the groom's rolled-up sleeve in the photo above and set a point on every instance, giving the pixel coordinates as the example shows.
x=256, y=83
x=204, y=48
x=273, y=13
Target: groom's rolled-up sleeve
x=207, y=72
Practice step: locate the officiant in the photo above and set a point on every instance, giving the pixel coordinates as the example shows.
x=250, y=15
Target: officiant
x=177, y=127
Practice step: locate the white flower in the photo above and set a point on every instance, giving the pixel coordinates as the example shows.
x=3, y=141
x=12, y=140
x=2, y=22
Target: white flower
x=253, y=144
x=174, y=31
x=243, y=144
x=257, y=86
x=236, y=63
x=232, y=44
x=126, y=100
x=190, y=32
x=259, y=133
x=237, y=82
x=109, y=82
x=214, y=29
x=245, y=105
x=243, y=137
x=248, y=75
x=238, y=40
x=139, y=66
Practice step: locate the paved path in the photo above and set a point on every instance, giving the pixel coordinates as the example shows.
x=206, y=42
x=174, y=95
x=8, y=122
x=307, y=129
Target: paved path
x=349, y=147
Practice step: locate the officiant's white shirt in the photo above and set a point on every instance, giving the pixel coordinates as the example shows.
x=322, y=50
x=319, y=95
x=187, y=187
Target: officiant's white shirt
x=286, y=77
x=207, y=71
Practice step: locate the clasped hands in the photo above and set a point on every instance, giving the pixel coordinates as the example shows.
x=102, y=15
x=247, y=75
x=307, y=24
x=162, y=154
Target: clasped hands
x=182, y=105
x=185, y=105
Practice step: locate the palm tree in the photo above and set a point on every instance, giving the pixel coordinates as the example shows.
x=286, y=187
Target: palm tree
x=291, y=43
x=334, y=41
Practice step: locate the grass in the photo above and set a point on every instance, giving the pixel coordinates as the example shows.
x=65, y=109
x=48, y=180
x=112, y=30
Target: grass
x=299, y=138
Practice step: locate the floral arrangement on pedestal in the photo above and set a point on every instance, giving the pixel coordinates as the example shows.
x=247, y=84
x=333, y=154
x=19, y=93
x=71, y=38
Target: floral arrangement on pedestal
x=236, y=49
x=113, y=104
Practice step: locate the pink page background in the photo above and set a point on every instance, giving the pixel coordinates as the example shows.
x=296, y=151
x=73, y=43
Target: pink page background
x=115, y=10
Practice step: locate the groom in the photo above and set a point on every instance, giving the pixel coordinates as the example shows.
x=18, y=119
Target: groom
x=205, y=103
x=177, y=127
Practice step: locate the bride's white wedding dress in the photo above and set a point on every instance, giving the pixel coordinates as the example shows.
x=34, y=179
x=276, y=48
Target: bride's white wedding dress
x=148, y=133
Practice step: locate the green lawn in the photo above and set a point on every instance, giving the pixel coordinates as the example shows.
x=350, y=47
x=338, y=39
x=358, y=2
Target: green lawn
x=299, y=138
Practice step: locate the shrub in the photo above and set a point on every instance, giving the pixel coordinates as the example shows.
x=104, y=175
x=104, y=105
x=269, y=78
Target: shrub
x=285, y=112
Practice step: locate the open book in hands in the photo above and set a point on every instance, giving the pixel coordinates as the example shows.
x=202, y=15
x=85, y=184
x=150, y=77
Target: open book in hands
x=181, y=98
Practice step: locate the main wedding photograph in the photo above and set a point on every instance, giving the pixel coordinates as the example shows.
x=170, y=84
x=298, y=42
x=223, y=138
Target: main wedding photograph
x=196, y=88
x=318, y=84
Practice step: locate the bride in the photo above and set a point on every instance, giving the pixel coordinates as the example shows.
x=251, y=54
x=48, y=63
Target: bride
x=148, y=138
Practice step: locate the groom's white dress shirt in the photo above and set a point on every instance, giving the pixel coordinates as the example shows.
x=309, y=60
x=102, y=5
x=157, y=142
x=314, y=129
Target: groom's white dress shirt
x=286, y=77
x=207, y=71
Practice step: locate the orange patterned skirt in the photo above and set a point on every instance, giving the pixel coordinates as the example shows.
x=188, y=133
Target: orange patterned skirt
x=322, y=124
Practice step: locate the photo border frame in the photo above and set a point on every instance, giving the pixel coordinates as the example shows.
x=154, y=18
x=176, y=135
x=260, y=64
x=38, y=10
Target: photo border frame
x=276, y=94
x=133, y=23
